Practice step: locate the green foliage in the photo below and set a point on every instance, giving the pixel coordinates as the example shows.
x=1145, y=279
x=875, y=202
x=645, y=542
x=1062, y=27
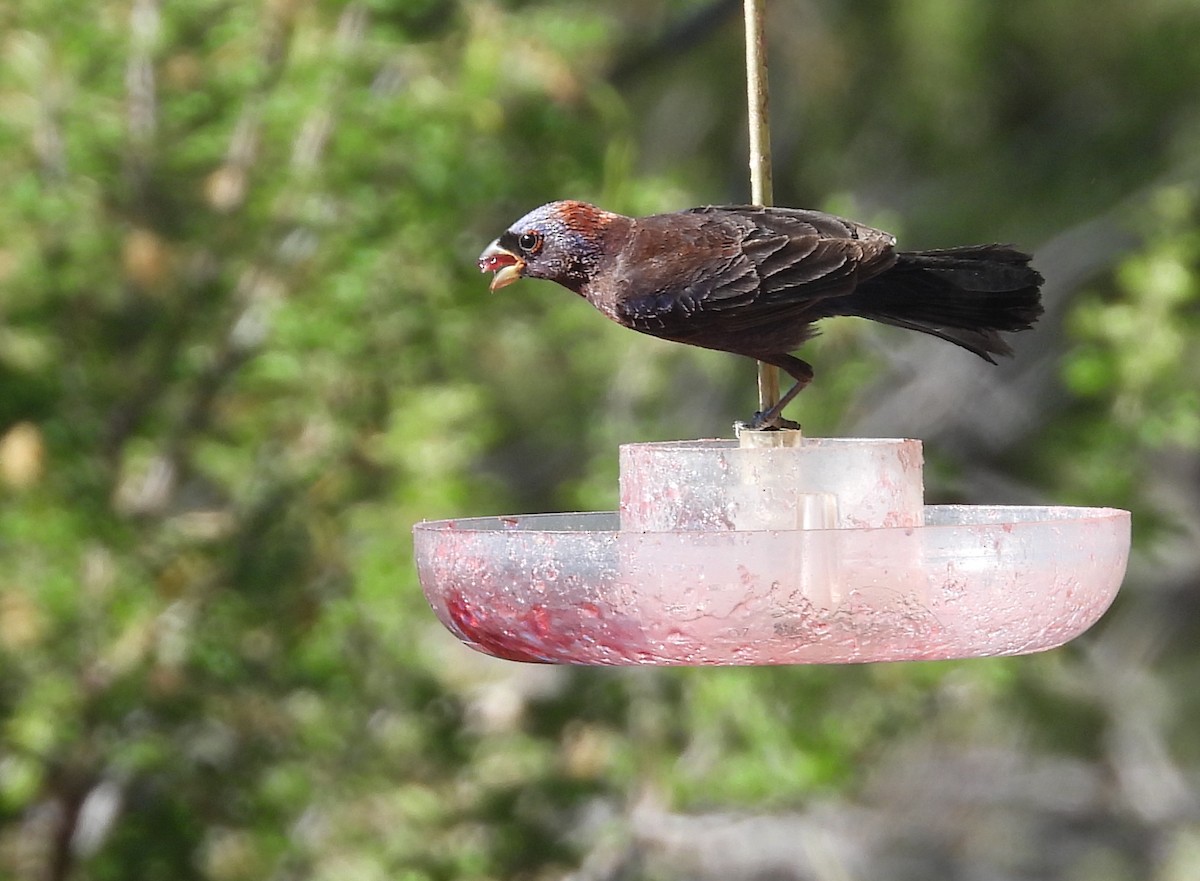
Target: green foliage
x=1138, y=348
x=244, y=347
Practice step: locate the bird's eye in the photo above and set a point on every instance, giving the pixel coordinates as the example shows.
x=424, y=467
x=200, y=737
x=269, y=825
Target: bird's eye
x=530, y=242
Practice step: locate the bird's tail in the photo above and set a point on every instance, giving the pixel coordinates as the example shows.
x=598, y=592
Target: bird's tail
x=967, y=296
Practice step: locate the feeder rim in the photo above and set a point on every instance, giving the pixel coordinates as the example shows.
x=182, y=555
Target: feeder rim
x=993, y=516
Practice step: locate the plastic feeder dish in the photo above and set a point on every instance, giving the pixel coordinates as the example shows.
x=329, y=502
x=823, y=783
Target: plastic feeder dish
x=777, y=549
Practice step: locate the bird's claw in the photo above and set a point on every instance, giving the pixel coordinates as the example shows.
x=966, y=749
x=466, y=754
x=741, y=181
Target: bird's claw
x=767, y=422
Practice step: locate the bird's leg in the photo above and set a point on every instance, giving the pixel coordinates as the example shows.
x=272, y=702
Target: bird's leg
x=766, y=420
x=798, y=370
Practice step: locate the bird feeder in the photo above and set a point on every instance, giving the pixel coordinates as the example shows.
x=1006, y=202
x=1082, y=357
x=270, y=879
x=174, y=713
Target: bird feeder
x=773, y=549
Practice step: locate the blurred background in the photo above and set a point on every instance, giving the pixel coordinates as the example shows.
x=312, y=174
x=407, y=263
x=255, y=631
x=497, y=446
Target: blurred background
x=244, y=347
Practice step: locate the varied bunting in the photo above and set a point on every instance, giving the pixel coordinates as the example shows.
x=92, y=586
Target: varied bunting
x=752, y=280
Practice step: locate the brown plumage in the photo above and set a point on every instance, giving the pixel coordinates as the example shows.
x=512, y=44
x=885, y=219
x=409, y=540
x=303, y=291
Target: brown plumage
x=752, y=280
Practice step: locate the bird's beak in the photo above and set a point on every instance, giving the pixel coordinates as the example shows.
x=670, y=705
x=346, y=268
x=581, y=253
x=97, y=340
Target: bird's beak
x=507, y=265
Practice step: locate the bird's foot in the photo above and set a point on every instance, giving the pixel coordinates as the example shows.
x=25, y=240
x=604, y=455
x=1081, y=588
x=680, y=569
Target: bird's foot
x=768, y=421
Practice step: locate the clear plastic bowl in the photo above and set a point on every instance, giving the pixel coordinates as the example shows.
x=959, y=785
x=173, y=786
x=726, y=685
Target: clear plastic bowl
x=572, y=588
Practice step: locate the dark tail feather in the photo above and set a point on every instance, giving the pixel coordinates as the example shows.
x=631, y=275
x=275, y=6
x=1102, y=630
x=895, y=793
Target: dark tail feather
x=967, y=296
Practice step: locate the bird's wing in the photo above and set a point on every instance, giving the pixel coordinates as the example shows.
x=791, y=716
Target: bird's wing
x=743, y=267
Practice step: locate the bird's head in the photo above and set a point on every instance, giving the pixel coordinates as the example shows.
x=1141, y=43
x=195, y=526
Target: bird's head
x=560, y=241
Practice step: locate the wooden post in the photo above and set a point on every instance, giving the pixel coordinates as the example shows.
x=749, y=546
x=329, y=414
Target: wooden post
x=760, y=154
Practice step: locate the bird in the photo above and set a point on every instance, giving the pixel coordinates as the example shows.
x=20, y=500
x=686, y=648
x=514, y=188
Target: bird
x=753, y=280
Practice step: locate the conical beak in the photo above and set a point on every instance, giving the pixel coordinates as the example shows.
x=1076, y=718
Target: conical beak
x=507, y=265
